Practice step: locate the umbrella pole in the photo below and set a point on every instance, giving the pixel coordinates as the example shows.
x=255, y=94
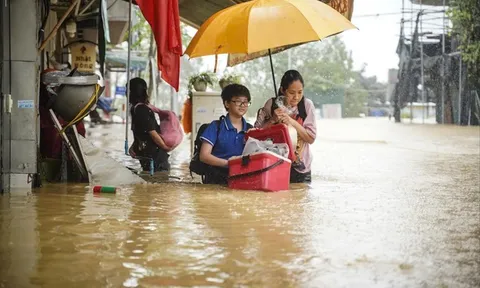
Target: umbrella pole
x=128, y=73
x=273, y=72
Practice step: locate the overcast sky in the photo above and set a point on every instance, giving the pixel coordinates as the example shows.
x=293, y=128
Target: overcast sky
x=375, y=42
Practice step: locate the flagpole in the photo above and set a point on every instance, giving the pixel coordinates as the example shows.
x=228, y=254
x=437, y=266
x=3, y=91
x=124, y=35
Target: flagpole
x=128, y=73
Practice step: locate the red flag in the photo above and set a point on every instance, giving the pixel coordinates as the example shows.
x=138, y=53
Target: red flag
x=163, y=16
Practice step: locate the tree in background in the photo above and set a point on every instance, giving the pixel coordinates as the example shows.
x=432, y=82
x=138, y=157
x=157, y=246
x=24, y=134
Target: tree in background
x=327, y=68
x=465, y=15
x=377, y=91
x=356, y=97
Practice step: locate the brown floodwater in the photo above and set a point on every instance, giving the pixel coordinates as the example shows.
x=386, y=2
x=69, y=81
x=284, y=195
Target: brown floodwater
x=390, y=206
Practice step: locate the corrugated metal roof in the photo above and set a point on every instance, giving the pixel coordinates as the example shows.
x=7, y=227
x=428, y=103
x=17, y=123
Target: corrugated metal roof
x=195, y=12
x=118, y=59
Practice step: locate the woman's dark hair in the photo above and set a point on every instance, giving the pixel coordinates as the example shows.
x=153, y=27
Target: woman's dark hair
x=288, y=78
x=138, y=91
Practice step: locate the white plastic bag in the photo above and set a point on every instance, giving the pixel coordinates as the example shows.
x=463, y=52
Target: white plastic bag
x=254, y=145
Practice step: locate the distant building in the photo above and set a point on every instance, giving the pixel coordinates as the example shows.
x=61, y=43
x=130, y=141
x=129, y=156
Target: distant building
x=420, y=110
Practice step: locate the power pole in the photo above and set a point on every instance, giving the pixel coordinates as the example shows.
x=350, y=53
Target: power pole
x=443, y=66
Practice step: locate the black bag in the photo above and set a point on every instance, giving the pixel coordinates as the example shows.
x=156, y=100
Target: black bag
x=197, y=166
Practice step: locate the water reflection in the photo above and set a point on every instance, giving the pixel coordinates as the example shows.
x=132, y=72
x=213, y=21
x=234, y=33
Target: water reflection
x=18, y=239
x=390, y=205
x=254, y=230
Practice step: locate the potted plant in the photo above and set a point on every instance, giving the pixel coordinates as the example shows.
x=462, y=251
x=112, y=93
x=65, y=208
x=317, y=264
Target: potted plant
x=228, y=79
x=200, y=81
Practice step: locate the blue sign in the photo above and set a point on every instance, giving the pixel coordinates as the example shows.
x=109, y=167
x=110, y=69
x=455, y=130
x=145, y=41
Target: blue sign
x=25, y=104
x=121, y=90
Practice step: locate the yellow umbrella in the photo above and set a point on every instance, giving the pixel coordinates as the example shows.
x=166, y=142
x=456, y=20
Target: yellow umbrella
x=265, y=24
x=344, y=7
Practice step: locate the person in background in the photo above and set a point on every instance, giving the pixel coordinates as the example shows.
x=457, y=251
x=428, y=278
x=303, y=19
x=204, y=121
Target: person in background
x=295, y=111
x=147, y=141
x=225, y=139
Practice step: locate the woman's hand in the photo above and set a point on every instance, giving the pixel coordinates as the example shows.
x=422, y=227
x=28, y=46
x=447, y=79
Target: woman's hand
x=131, y=152
x=158, y=140
x=301, y=131
x=282, y=116
x=285, y=119
x=279, y=112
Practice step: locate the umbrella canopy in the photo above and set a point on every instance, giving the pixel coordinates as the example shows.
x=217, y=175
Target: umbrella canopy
x=260, y=25
x=345, y=7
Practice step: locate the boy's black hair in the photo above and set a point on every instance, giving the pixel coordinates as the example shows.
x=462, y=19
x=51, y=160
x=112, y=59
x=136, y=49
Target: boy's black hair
x=233, y=90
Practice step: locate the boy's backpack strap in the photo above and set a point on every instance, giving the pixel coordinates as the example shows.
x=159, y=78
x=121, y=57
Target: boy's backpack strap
x=218, y=124
x=196, y=166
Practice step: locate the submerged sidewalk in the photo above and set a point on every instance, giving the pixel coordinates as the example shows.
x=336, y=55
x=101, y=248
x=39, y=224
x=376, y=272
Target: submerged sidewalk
x=111, y=138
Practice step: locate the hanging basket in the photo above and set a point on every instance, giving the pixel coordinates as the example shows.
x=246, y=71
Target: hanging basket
x=200, y=86
x=224, y=83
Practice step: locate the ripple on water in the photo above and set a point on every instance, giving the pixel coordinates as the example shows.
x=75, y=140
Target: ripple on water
x=389, y=205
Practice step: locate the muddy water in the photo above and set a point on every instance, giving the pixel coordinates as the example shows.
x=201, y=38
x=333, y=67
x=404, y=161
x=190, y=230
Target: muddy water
x=390, y=206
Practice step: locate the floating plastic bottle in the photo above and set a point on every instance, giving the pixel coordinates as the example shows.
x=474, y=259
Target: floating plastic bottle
x=104, y=189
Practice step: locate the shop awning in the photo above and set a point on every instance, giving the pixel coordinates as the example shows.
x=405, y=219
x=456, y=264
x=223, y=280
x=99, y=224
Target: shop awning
x=195, y=12
x=117, y=60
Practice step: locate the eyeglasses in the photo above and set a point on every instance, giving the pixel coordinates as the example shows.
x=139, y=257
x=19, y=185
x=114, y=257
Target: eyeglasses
x=241, y=103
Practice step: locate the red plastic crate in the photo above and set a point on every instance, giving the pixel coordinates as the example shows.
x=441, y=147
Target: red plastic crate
x=264, y=171
x=277, y=133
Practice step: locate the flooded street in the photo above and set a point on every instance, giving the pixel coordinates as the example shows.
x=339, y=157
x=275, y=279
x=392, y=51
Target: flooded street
x=391, y=205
